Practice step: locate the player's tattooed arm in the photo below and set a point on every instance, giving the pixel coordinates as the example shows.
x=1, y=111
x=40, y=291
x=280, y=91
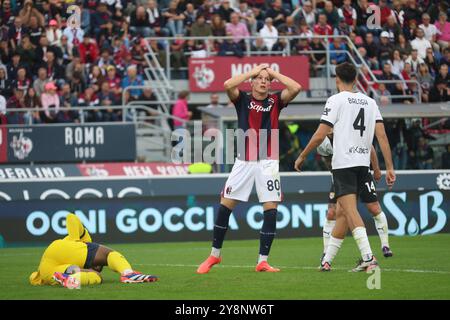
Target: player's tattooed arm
x=387, y=155
x=375, y=165
x=292, y=86
x=315, y=141
x=232, y=84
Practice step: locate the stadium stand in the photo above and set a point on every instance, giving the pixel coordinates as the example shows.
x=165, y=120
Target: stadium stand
x=128, y=61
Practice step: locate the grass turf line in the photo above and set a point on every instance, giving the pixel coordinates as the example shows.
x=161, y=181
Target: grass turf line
x=420, y=269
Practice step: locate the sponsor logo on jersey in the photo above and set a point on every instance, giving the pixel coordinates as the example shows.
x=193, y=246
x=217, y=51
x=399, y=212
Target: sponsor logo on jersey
x=259, y=107
x=359, y=150
x=228, y=190
x=326, y=110
x=358, y=101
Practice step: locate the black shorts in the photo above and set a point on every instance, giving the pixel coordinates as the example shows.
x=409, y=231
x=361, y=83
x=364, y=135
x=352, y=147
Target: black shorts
x=355, y=180
x=92, y=248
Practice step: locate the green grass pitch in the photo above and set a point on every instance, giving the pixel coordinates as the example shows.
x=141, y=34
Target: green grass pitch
x=420, y=269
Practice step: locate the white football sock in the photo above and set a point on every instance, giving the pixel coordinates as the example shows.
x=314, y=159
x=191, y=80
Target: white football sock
x=360, y=236
x=382, y=228
x=215, y=252
x=332, y=249
x=262, y=258
x=327, y=228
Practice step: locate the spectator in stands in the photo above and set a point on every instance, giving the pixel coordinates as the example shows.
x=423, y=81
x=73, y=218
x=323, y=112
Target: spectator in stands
x=411, y=12
x=431, y=62
x=362, y=16
x=32, y=101
x=156, y=19
x=88, y=50
x=348, y=13
x=230, y=48
x=35, y=30
x=399, y=138
x=443, y=30
x=386, y=48
x=403, y=46
x=139, y=22
x=190, y=13
x=277, y=13
x=225, y=11
x=259, y=17
x=440, y=91
x=332, y=14
x=343, y=29
x=40, y=82
x=54, y=70
x=207, y=10
x=259, y=46
x=289, y=28
x=420, y=43
x=445, y=59
x=180, y=110
x=174, y=19
x=305, y=13
x=304, y=31
x=28, y=12
x=269, y=33
x=218, y=27
x=101, y=22
x=54, y=33
x=114, y=81
x=318, y=59
x=385, y=11
x=214, y=101
x=414, y=60
x=322, y=27
x=50, y=103
x=425, y=80
x=397, y=63
x=22, y=80
x=383, y=95
x=393, y=88
x=337, y=55
x=27, y=51
x=74, y=35
x=247, y=16
x=5, y=83
x=237, y=29
x=89, y=99
x=200, y=28
x=429, y=30
x=443, y=74
x=393, y=29
x=16, y=32
x=16, y=101
x=107, y=98
x=133, y=79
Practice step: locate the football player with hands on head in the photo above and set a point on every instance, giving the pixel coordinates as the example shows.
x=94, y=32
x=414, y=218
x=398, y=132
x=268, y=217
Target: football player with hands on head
x=257, y=159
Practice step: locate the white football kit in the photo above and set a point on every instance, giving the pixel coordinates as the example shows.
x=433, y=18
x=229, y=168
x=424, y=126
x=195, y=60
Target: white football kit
x=353, y=117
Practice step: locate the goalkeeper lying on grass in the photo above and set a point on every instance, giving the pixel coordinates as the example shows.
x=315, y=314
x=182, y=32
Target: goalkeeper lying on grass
x=76, y=260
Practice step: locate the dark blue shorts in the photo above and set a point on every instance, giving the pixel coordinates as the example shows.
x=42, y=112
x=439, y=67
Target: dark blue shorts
x=92, y=248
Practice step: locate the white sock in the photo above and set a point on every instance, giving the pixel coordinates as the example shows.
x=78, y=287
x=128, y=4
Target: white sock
x=360, y=236
x=126, y=271
x=327, y=228
x=332, y=249
x=382, y=228
x=215, y=252
x=262, y=258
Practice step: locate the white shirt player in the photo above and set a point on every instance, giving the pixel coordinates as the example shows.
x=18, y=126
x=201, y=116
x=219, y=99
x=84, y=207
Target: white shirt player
x=352, y=117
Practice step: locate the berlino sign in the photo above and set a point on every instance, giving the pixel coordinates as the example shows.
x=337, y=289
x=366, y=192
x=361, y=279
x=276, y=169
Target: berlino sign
x=209, y=74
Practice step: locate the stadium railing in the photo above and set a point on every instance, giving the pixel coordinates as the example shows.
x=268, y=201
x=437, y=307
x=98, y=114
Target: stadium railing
x=165, y=74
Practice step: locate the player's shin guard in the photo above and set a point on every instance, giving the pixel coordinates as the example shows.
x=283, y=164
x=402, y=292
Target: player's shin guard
x=332, y=249
x=267, y=233
x=360, y=236
x=118, y=263
x=220, y=229
x=382, y=228
x=327, y=228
